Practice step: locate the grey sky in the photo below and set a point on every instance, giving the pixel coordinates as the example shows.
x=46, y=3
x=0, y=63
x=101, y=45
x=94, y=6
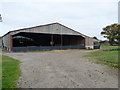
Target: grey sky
x=85, y=16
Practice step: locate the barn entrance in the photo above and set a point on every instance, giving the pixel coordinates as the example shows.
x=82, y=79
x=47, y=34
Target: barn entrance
x=38, y=41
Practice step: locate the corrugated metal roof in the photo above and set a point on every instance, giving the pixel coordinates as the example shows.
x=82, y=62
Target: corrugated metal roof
x=46, y=25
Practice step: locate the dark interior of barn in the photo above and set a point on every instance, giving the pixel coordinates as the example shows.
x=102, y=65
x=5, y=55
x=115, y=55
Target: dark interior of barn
x=39, y=39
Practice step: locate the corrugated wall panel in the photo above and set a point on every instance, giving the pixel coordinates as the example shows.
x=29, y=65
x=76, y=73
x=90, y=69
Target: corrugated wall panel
x=0, y=42
x=6, y=41
x=89, y=42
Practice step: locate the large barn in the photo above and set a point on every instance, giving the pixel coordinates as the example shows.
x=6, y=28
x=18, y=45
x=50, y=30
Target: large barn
x=45, y=37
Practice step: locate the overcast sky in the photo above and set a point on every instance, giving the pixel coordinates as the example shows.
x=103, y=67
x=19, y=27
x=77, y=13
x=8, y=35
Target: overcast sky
x=85, y=16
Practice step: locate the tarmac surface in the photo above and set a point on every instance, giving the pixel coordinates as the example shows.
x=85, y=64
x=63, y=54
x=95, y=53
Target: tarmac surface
x=63, y=69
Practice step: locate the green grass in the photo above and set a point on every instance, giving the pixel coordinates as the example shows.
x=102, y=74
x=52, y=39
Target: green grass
x=10, y=72
x=108, y=47
x=109, y=58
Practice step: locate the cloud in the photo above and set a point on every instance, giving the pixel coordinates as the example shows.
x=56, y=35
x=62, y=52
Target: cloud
x=54, y=1
x=83, y=16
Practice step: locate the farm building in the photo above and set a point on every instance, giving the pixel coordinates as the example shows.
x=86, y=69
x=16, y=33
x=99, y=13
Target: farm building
x=45, y=37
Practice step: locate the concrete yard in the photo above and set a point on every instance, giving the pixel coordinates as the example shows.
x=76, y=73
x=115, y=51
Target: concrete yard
x=63, y=69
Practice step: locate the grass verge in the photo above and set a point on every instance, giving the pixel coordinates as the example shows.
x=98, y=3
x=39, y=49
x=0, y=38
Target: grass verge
x=10, y=72
x=108, y=47
x=109, y=58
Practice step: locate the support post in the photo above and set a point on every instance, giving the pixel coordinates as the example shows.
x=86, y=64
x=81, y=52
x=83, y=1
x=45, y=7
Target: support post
x=84, y=43
x=61, y=41
x=51, y=42
x=11, y=43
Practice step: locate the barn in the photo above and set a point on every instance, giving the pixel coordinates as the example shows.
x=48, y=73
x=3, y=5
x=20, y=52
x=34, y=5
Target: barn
x=45, y=37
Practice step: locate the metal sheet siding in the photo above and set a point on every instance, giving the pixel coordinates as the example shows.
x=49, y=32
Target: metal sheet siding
x=89, y=42
x=50, y=29
x=0, y=42
x=6, y=41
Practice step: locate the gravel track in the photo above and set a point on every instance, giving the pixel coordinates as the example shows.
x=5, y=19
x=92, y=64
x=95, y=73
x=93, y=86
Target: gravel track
x=63, y=69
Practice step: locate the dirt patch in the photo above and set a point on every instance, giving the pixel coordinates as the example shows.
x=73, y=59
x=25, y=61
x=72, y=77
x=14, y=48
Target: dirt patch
x=63, y=69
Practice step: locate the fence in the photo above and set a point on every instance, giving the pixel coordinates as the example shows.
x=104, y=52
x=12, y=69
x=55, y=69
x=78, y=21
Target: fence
x=39, y=48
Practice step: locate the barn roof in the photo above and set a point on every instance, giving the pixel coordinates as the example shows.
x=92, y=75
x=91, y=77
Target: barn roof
x=20, y=30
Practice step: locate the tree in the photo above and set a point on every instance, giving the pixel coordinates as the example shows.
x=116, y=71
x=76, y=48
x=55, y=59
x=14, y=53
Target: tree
x=112, y=33
x=0, y=18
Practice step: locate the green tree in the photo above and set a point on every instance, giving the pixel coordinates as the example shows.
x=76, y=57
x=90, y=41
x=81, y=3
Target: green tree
x=0, y=18
x=112, y=33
